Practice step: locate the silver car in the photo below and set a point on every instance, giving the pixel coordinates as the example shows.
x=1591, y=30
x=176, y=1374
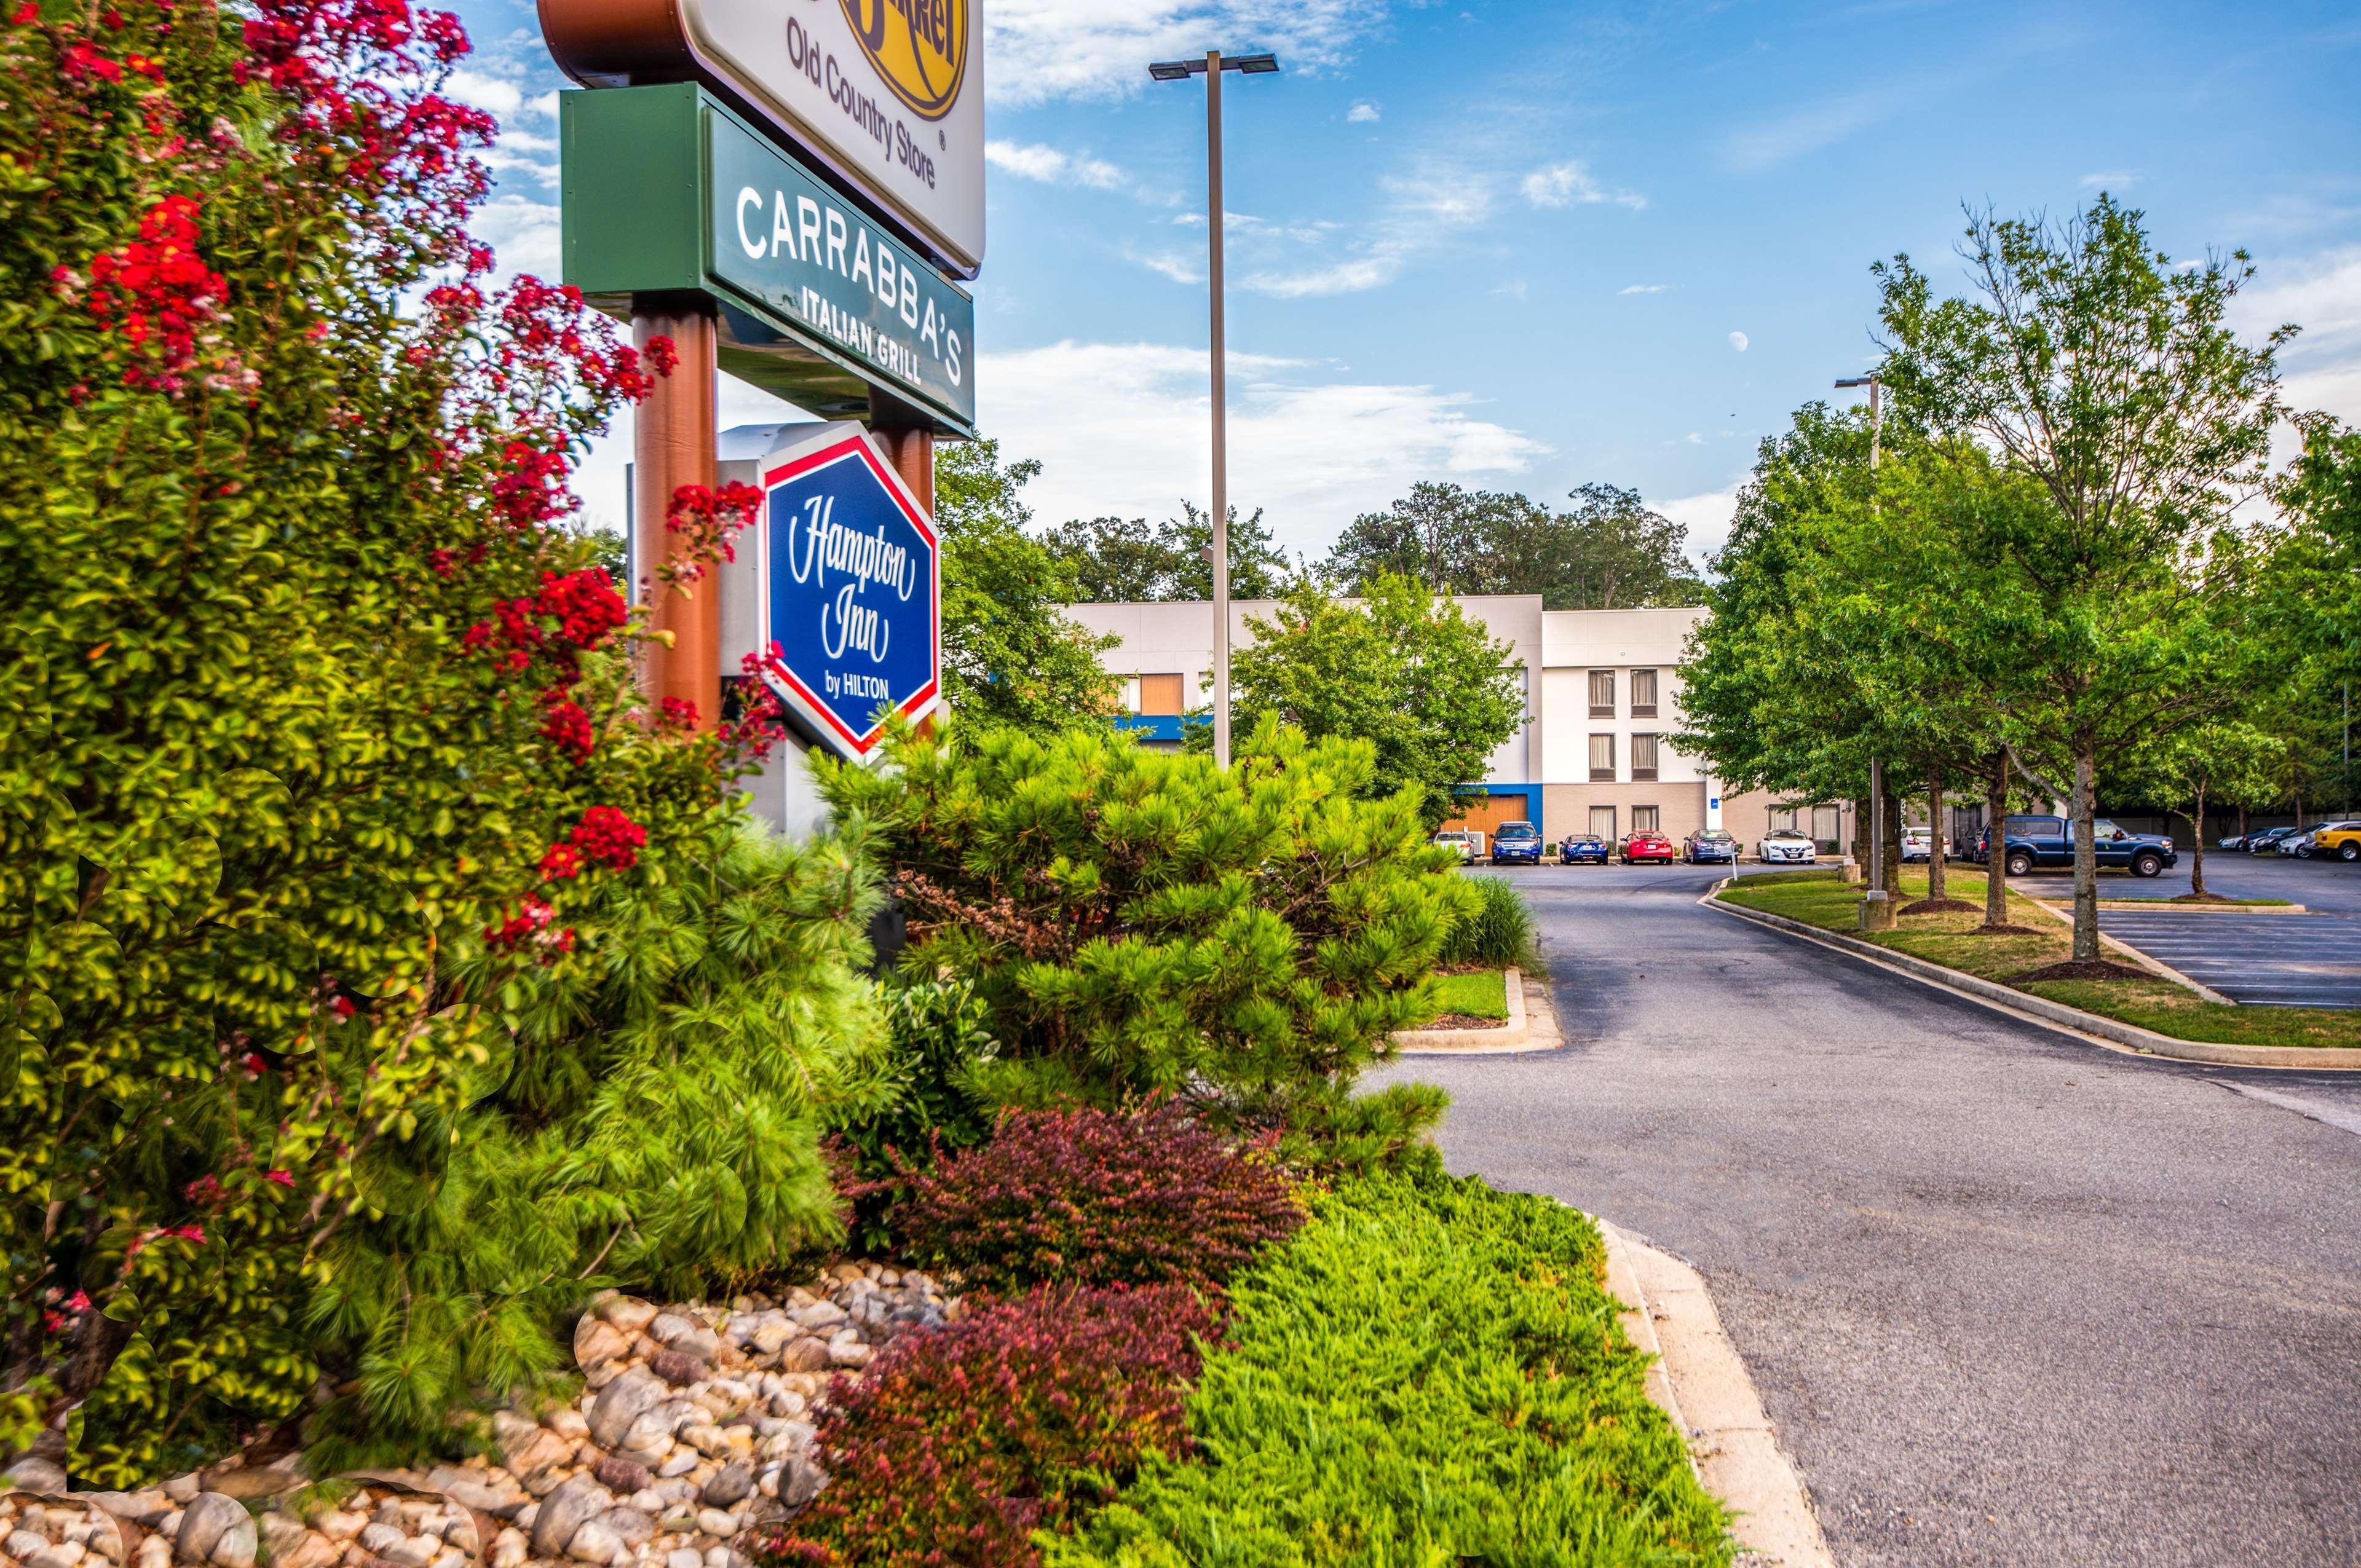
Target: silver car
x=1785, y=845
x=1462, y=841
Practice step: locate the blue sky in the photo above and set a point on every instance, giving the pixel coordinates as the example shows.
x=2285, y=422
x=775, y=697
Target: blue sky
x=1527, y=246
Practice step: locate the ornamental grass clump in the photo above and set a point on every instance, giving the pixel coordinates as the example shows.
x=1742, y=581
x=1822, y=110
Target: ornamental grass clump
x=960, y=1442
x=1498, y=932
x=1087, y=1197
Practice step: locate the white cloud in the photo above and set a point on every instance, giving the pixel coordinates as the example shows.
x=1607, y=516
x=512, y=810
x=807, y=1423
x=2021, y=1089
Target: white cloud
x=1176, y=264
x=1645, y=288
x=1695, y=439
x=1122, y=428
x=1773, y=142
x=1707, y=517
x=489, y=93
x=1427, y=210
x=546, y=104
x=2111, y=180
x=1737, y=341
x=523, y=234
x=2321, y=293
x=1052, y=166
x=1036, y=51
x=1569, y=183
x=1362, y=114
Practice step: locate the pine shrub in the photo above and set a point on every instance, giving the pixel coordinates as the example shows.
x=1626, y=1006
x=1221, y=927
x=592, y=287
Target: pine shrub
x=1088, y=1197
x=963, y=1441
x=1141, y=923
x=1497, y=932
x=1428, y=1372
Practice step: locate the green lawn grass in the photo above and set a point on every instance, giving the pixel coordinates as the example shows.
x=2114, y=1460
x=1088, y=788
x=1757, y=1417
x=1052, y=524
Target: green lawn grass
x=1482, y=993
x=2157, y=1005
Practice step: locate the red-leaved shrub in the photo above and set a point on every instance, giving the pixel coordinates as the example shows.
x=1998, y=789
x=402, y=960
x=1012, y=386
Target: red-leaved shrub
x=1090, y=1198
x=963, y=1441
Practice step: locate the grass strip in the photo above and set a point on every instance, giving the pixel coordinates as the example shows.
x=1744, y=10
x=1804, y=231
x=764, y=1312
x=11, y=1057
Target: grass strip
x=1484, y=994
x=1428, y=1372
x=1947, y=939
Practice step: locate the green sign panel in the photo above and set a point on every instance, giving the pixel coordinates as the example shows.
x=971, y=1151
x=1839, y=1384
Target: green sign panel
x=667, y=191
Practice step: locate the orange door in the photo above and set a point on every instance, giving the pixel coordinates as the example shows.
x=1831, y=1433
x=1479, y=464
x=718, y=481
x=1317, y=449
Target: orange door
x=1487, y=814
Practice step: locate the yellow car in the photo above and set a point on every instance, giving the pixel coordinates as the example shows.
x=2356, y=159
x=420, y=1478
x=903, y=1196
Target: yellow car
x=2343, y=841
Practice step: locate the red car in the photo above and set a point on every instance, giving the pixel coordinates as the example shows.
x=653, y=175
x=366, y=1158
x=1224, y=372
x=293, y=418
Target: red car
x=1649, y=847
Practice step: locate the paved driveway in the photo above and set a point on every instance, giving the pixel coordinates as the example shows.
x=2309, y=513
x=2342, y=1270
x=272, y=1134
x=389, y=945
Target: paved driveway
x=2012, y=1298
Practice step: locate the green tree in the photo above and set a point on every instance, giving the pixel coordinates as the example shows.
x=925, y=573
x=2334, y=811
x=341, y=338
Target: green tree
x=1402, y=669
x=1011, y=655
x=2105, y=373
x=2228, y=763
x=1610, y=551
x=306, y=694
x=1118, y=562
x=1144, y=922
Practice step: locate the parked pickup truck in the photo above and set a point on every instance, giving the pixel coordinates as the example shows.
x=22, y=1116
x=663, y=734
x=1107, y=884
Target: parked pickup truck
x=2047, y=843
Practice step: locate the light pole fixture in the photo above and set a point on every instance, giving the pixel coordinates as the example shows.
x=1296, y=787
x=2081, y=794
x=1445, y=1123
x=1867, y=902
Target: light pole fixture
x=1876, y=907
x=1212, y=67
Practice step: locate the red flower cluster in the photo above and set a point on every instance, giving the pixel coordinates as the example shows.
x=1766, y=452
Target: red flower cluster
x=204, y=1192
x=586, y=607
x=157, y=292
x=609, y=836
x=541, y=318
x=711, y=519
x=676, y=713
x=566, y=726
x=533, y=490
x=965, y=1440
x=531, y=916
x=561, y=862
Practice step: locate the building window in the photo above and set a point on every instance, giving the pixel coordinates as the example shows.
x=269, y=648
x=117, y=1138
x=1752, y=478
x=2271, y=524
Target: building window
x=1602, y=758
x=1643, y=819
x=1827, y=826
x=1602, y=694
x=1602, y=822
x=1160, y=695
x=1643, y=753
x=1782, y=819
x=1643, y=694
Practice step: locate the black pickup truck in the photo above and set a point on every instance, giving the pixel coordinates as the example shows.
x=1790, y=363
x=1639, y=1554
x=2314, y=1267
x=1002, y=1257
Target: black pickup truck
x=2047, y=843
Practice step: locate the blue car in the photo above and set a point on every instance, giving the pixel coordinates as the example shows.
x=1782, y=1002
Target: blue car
x=1579, y=849
x=1514, y=841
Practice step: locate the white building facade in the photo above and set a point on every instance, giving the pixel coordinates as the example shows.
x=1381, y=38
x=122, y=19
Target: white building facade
x=1602, y=705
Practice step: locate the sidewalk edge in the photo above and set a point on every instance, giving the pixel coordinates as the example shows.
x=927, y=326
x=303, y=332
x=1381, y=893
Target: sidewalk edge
x=1698, y=1379
x=2128, y=1039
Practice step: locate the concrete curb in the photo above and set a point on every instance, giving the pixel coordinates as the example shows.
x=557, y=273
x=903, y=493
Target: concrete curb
x=1532, y=1027
x=2154, y=966
x=1697, y=1378
x=2088, y=1026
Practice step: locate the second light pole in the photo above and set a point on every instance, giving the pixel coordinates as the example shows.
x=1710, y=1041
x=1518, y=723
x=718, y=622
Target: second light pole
x=1212, y=67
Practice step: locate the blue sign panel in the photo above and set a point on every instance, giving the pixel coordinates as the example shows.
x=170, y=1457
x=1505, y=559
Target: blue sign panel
x=853, y=590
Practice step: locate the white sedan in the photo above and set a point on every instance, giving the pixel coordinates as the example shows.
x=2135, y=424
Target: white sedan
x=1785, y=845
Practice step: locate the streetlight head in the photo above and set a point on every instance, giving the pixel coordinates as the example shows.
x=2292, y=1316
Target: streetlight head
x=1257, y=64
x=1175, y=70
x=1858, y=381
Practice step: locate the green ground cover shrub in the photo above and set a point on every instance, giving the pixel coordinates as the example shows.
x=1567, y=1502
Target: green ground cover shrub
x=1499, y=932
x=1141, y=923
x=964, y=1441
x=1428, y=1372
x=1091, y=1197
x=1950, y=939
x=1481, y=994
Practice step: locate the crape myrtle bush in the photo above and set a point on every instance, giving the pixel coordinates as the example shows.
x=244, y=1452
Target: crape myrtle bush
x=964, y=1441
x=317, y=752
x=1140, y=922
x=1093, y=1198
x=1428, y=1372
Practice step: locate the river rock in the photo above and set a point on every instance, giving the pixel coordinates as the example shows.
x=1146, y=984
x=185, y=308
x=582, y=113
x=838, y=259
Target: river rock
x=623, y=1402
x=566, y=1511
x=729, y=1485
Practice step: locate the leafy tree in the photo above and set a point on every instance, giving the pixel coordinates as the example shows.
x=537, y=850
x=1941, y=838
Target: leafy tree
x=1609, y=553
x=318, y=747
x=1011, y=655
x=2229, y=762
x=1144, y=922
x=2105, y=373
x=1402, y=669
x=1119, y=561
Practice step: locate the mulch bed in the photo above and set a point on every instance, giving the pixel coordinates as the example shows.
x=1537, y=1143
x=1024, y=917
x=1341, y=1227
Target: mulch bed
x=1465, y=1021
x=1940, y=906
x=2081, y=968
x=2199, y=898
x=2003, y=929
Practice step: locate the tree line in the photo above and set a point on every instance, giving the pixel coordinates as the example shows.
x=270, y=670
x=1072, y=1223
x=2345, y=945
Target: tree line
x=2063, y=569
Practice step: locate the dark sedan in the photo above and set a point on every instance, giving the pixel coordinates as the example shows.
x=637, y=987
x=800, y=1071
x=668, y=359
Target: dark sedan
x=1517, y=841
x=1709, y=846
x=1582, y=848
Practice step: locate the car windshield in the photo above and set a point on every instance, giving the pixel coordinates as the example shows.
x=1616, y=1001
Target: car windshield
x=1784, y=833
x=1713, y=835
x=1518, y=830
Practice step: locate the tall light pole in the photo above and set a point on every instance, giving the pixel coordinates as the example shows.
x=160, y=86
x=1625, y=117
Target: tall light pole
x=1212, y=67
x=1876, y=907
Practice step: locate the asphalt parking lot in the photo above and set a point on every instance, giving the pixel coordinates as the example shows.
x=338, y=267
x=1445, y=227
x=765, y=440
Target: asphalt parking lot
x=2257, y=960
